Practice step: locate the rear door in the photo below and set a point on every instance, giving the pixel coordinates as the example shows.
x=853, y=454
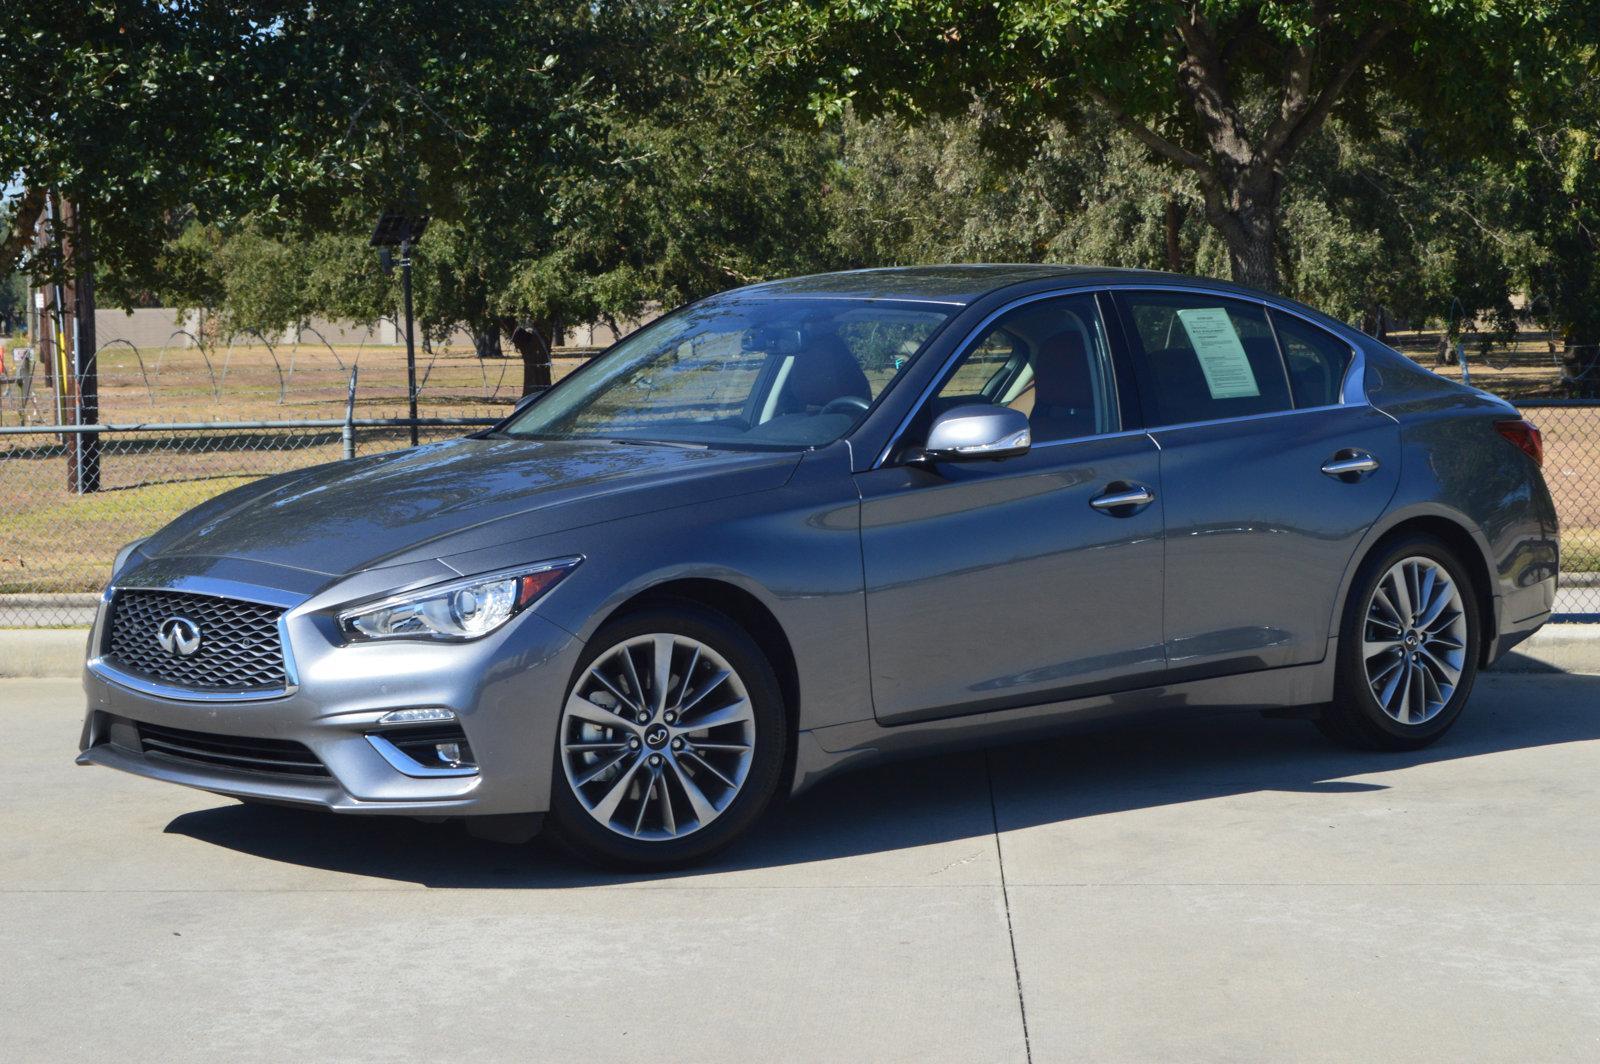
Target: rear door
x=1249, y=410
x=998, y=584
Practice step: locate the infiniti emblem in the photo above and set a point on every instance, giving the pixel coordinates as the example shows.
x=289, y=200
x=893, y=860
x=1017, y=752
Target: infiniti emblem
x=179, y=635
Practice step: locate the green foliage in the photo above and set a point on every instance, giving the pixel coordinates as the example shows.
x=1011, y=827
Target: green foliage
x=140, y=111
x=1224, y=90
x=931, y=192
x=582, y=161
x=1551, y=193
x=13, y=301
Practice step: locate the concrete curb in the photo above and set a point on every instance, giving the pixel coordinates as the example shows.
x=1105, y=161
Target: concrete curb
x=42, y=652
x=58, y=652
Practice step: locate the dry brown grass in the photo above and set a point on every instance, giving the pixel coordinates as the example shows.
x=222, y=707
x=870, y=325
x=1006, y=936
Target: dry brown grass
x=308, y=381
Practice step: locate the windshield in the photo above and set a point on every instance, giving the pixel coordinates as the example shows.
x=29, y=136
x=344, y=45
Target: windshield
x=753, y=372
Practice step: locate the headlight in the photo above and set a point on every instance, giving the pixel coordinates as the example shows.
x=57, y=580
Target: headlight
x=124, y=554
x=463, y=609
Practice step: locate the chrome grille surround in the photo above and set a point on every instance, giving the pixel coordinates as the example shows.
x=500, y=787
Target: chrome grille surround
x=241, y=643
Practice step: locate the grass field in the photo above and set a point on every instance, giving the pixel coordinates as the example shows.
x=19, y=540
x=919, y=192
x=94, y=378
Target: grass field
x=52, y=541
x=289, y=382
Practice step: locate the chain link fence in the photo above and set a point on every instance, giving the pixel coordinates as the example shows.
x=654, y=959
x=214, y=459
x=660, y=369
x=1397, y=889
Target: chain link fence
x=1571, y=431
x=57, y=541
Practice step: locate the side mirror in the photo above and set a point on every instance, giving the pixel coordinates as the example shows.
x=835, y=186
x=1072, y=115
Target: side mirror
x=977, y=431
x=527, y=401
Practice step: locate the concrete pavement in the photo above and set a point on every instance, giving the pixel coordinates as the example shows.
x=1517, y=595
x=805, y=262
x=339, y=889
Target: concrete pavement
x=1221, y=889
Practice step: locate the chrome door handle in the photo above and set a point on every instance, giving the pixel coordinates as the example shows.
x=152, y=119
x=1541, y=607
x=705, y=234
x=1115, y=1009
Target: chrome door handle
x=1132, y=495
x=1350, y=463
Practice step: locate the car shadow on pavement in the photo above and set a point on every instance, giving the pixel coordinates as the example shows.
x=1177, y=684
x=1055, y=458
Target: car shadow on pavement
x=937, y=799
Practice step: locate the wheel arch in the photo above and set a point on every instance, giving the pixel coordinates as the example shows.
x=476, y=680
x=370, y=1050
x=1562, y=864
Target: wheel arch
x=745, y=609
x=1456, y=532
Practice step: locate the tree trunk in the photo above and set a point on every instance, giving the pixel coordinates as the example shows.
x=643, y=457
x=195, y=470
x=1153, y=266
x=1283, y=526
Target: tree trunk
x=533, y=342
x=1245, y=212
x=1172, y=229
x=486, y=340
x=1251, y=254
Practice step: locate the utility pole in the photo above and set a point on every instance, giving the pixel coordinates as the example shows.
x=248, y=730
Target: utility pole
x=411, y=350
x=397, y=228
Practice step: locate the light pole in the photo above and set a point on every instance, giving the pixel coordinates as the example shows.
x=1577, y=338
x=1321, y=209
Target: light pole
x=399, y=229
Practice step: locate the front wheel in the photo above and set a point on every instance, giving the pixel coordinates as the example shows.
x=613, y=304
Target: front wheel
x=1408, y=648
x=671, y=742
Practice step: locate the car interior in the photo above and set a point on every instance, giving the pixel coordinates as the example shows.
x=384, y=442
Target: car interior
x=1049, y=362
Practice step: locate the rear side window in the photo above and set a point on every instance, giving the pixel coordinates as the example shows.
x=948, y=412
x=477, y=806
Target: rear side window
x=1316, y=360
x=1202, y=357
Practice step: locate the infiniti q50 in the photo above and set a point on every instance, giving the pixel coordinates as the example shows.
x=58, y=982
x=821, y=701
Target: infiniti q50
x=813, y=523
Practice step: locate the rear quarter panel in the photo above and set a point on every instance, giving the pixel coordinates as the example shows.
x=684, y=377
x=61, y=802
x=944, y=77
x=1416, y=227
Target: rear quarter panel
x=1458, y=467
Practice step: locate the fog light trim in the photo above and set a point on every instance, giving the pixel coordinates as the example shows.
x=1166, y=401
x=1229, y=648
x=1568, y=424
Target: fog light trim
x=403, y=763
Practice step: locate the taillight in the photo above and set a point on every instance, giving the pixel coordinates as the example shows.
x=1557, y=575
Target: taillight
x=1525, y=435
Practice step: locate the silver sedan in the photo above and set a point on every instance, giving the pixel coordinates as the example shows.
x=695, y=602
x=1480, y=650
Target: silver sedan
x=810, y=524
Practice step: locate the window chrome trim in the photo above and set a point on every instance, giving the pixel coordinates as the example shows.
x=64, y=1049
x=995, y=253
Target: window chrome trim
x=1352, y=391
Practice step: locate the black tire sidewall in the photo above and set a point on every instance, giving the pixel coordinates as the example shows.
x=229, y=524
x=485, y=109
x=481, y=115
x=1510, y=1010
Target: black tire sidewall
x=1357, y=714
x=571, y=823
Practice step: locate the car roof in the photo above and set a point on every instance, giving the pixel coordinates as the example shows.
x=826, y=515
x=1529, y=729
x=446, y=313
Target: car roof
x=957, y=283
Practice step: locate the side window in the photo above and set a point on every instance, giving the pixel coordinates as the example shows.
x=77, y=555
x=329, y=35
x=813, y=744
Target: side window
x=1202, y=357
x=1047, y=359
x=1316, y=360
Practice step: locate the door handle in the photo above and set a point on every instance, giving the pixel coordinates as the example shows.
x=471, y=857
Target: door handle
x=1126, y=496
x=1349, y=464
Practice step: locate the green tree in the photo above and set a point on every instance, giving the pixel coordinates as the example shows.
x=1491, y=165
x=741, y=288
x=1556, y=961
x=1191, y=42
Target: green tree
x=1224, y=91
x=13, y=302
x=693, y=195
x=140, y=113
x=1550, y=195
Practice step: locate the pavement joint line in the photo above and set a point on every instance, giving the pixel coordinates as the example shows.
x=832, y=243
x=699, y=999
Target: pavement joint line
x=1320, y=885
x=1005, y=896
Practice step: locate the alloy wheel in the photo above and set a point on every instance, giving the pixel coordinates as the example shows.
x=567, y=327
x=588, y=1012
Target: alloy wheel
x=1414, y=640
x=657, y=737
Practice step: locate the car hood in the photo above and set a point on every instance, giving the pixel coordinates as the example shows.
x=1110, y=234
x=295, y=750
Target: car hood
x=438, y=499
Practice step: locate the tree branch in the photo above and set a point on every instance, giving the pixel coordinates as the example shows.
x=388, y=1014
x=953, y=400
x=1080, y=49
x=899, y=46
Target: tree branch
x=29, y=207
x=1150, y=138
x=1202, y=77
x=1284, y=136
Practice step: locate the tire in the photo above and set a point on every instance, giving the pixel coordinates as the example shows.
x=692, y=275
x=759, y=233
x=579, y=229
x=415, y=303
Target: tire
x=676, y=790
x=1419, y=712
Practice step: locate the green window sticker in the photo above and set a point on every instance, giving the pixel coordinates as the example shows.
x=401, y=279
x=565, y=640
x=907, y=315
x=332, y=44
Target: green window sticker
x=1222, y=357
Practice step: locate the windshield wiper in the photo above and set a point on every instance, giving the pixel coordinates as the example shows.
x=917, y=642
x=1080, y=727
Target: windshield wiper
x=636, y=441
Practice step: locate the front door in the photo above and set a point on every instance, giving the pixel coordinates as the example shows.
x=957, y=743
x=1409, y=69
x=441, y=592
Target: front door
x=991, y=584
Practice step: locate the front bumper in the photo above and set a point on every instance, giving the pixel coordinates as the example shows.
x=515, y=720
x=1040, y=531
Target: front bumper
x=505, y=689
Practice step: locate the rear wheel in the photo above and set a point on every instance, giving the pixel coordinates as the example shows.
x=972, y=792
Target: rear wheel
x=671, y=741
x=1408, y=648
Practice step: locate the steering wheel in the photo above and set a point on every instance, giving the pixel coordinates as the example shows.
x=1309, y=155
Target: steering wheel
x=845, y=404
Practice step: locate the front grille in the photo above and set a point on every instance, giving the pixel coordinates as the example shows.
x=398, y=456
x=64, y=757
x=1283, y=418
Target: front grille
x=278, y=757
x=239, y=645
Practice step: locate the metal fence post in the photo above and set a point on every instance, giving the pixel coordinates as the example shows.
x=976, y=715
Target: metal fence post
x=349, y=432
